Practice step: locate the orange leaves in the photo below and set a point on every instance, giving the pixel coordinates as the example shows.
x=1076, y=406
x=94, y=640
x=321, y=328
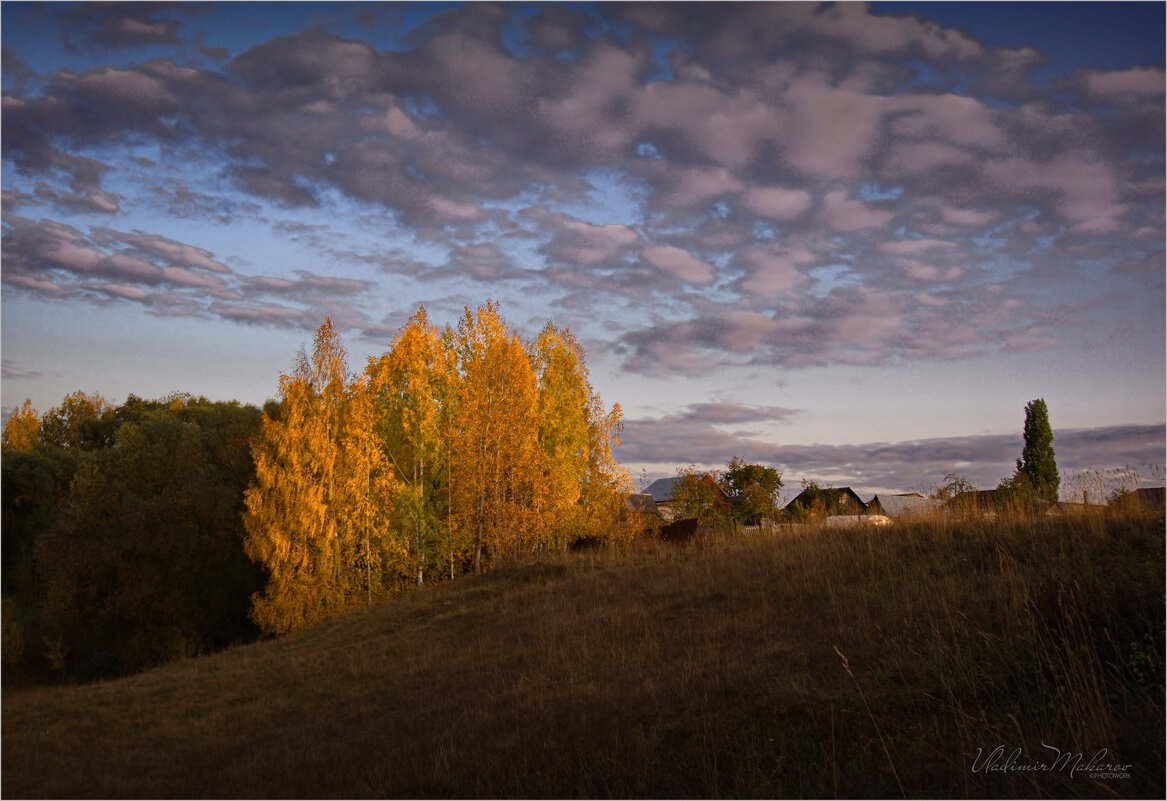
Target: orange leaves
x=456, y=449
x=22, y=431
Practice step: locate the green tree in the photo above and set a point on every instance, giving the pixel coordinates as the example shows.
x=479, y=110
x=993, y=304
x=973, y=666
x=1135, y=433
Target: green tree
x=81, y=421
x=1037, y=462
x=755, y=488
x=144, y=560
x=699, y=494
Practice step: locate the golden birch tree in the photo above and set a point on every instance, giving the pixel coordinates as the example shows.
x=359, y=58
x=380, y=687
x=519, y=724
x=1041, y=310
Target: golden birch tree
x=410, y=383
x=292, y=508
x=494, y=428
x=368, y=488
x=564, y=432
x=608, y=482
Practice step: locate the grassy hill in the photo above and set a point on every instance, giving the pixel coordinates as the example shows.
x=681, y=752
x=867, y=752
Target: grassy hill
x=869, y=663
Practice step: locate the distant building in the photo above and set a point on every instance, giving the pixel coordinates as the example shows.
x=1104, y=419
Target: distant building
x=641, y=502
x=661, y=492
x=833, y=501
x=979, y=502
x=902, y=506
x=662, y=488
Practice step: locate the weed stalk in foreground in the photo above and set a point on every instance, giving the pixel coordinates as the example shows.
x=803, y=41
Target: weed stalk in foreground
x=883, y=742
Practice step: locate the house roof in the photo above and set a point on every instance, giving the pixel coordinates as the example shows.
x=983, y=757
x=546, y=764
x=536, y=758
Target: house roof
x=905, y=505
x=832, y=492
x=640, y=502
x=662, y=488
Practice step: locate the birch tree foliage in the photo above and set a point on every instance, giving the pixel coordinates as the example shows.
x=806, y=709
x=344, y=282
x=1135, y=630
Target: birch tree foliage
x=291, y=516
x=455, y=449
x=493, y=428
x=409, y=384
x=608, y=482
x=564, y=430
x=377, y=552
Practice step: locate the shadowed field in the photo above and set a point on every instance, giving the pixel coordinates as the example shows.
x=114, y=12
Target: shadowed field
x=867, y=662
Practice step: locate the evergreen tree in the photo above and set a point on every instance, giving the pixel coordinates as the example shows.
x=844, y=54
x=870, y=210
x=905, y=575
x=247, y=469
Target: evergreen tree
x=1037, y=461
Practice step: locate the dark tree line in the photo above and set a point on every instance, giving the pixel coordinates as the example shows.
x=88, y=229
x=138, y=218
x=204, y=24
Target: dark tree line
x=123, y=534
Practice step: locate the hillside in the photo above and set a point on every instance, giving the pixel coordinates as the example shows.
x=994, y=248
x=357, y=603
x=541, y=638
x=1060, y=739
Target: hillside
x=868, y=663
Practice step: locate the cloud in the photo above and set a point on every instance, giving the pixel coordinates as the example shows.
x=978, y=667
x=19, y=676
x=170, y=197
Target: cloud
x=575, y=242
x=117, y=25
x=679, y=263
x=1133, y=84
x=777, y=203
x=51, y=260
x=11, y=371
x=844, y=214
x=847, y=187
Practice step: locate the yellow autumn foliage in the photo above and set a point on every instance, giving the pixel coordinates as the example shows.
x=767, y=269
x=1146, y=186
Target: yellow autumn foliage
x=454, y=451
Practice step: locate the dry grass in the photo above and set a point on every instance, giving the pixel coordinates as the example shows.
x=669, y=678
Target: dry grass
x=711, y=669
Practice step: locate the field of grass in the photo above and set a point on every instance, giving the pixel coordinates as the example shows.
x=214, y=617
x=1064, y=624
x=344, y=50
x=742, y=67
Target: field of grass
x=831, y=663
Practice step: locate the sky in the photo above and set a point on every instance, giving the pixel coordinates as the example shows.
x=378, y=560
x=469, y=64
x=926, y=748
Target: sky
x=849, y=241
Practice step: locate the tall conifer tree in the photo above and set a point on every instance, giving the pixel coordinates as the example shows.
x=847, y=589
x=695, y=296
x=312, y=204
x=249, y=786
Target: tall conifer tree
x=1037, y=462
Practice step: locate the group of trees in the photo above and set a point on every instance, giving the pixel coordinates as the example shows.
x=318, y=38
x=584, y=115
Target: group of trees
x=455, y=450
x=123, y=535
x=156, y=529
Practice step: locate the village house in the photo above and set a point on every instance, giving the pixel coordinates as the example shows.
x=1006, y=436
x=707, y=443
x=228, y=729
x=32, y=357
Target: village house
x=661, y=492
x=833, y=501
x=905, y=505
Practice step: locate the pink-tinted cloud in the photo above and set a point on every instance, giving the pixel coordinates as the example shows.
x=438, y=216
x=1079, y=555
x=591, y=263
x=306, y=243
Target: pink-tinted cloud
x=845, y=214
x=774, y=271
x=679, y=263
x=777, y=203
x=863, y=181
x=1136, y=83
x=1086, y=190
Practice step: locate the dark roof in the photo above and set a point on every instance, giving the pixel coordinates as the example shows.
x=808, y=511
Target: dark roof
x=836, y=494
x=978, y=499
x=662, y=488
x=641, y=502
